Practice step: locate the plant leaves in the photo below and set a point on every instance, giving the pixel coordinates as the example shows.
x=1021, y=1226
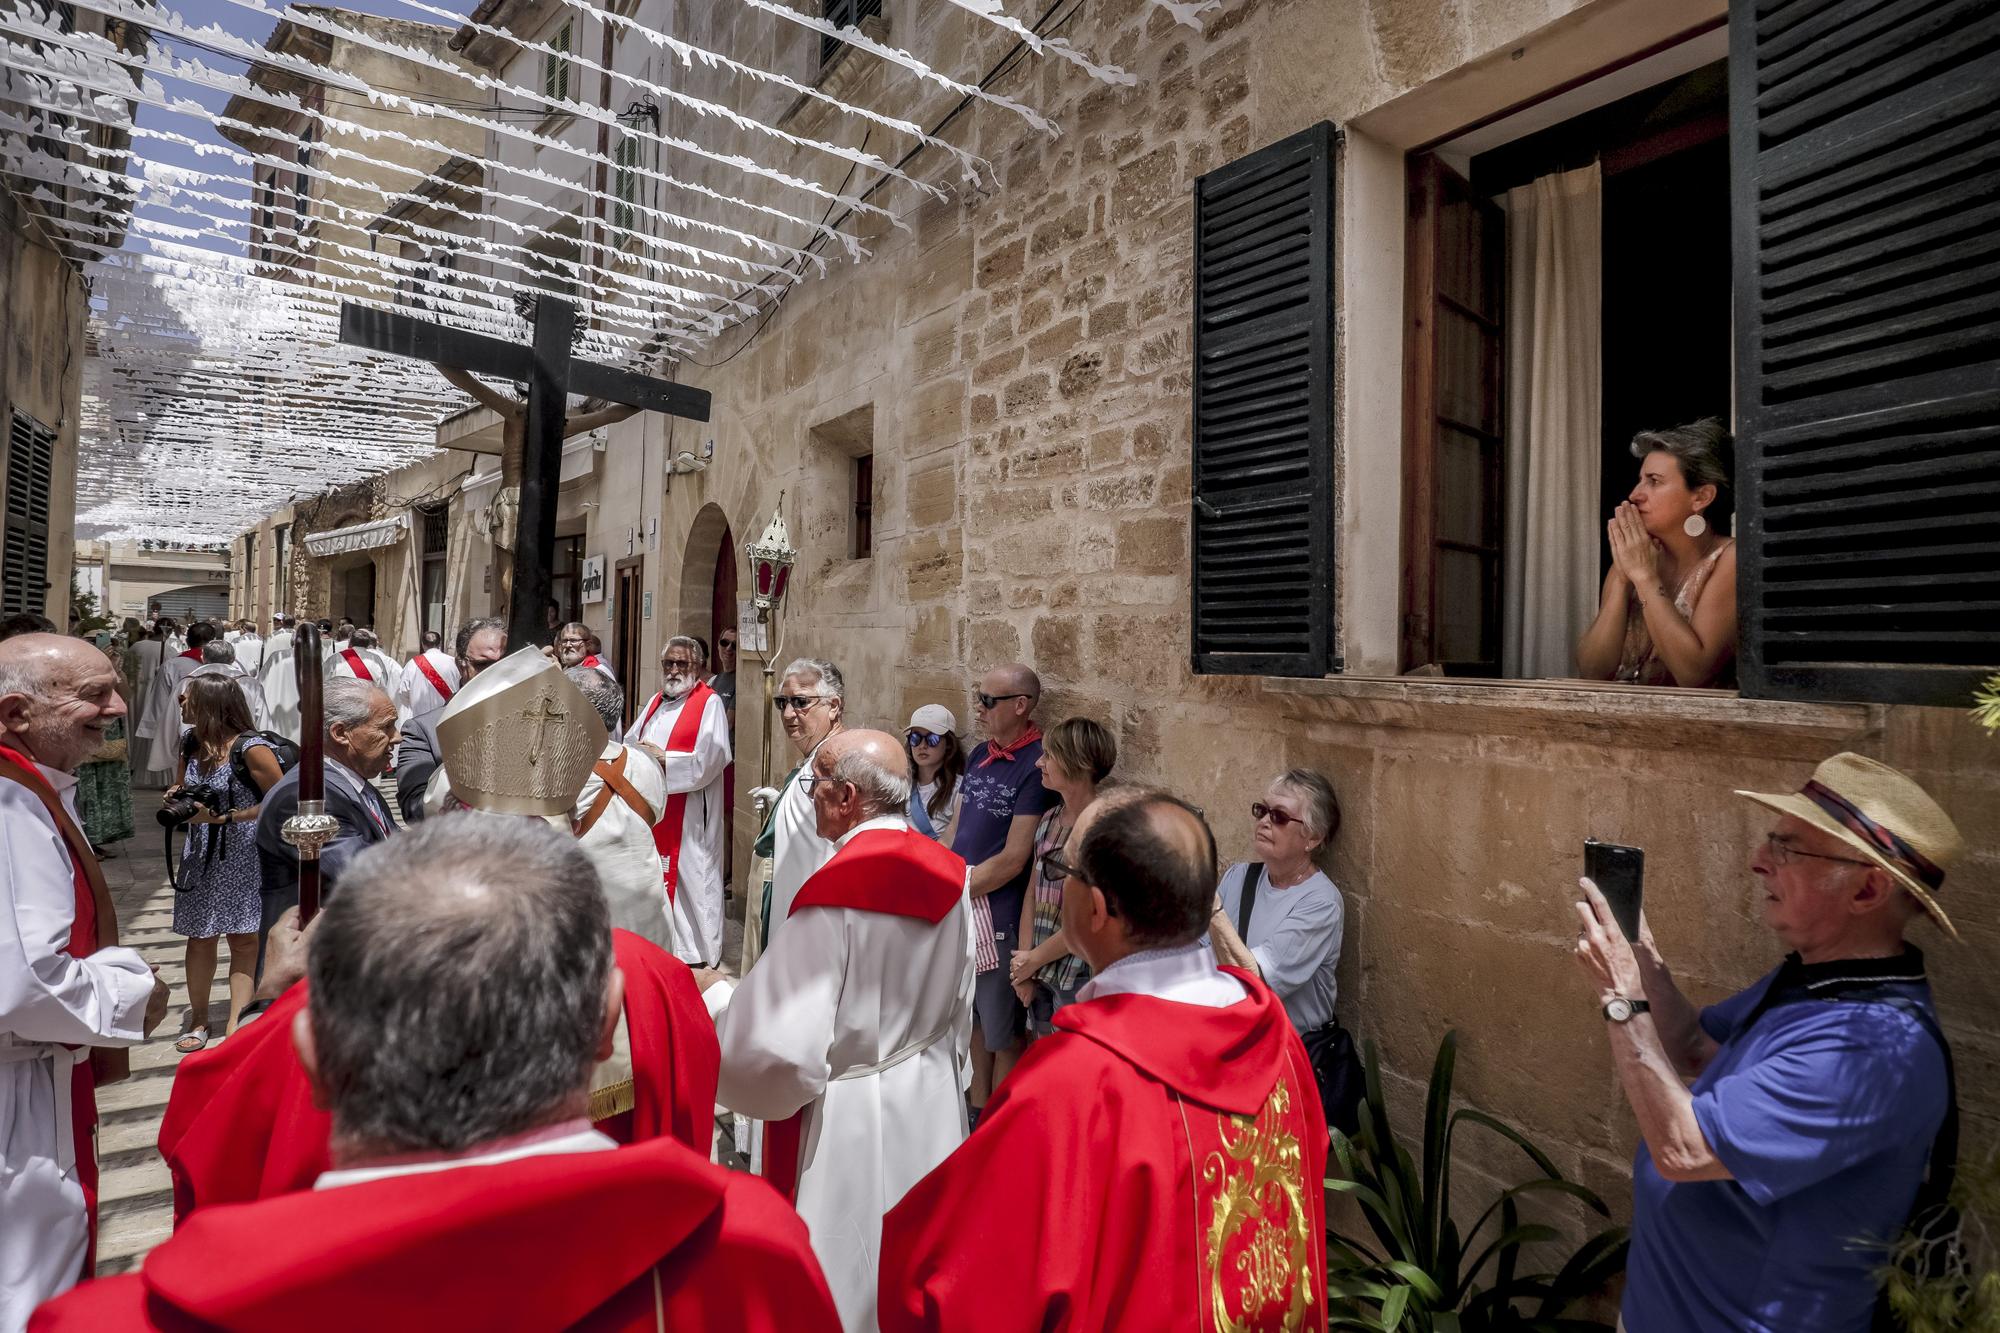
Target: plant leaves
x=1392, y=1309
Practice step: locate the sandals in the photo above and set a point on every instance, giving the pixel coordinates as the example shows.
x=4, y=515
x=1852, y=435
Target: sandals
x=192, y=1040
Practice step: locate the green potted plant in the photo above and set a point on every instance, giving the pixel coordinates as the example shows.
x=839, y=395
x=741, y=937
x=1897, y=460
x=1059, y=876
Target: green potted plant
x=1418, y=1273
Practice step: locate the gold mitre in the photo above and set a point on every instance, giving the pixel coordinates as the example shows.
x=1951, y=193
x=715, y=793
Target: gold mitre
x=520, y=738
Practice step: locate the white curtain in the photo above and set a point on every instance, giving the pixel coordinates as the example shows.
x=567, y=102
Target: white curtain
x=1554, y=380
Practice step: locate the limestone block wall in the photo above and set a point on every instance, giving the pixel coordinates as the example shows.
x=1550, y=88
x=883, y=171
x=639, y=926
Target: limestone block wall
x=1020, y=359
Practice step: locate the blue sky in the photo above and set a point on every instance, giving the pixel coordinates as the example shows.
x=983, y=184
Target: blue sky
x=251, y=26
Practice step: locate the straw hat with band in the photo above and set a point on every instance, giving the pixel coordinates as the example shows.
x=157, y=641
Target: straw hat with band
x=1883, y=815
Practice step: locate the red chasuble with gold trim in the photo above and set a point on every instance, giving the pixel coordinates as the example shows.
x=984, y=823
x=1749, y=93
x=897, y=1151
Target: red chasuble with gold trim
x=241, y=1125
x=1153, y=1166
x=642, y=1238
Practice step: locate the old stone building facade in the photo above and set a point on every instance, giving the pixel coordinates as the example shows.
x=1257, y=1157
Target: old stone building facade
x=984, y=442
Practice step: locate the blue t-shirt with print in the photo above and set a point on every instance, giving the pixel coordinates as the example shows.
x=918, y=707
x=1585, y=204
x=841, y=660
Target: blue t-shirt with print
x=1824, y=1112
x=994, y=794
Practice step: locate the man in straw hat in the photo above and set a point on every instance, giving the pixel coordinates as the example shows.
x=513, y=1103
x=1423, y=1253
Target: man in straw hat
x=1821, y=1094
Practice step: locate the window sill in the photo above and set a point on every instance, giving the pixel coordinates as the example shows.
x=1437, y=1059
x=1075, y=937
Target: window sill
x=1654, y=717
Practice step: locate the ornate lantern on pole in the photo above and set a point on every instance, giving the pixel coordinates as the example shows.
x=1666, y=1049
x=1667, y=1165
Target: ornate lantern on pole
x=771, y=557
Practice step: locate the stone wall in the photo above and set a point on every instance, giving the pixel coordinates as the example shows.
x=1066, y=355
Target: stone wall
x=1021, y=358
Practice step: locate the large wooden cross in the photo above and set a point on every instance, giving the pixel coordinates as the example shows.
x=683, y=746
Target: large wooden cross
x=551, y=376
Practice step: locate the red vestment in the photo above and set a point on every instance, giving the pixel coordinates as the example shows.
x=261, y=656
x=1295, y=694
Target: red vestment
x=241, y=1124
x=1153, y=1166
x=640, y=1238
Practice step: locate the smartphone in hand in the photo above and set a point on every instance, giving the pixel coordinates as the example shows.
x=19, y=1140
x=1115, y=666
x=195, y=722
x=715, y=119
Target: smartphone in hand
x=1619, y=873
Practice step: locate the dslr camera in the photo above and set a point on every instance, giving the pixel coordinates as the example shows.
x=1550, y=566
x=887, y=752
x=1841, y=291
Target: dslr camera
x=190, y=801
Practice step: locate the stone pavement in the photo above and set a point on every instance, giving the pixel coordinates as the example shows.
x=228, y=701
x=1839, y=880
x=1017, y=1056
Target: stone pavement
x=135, y=1197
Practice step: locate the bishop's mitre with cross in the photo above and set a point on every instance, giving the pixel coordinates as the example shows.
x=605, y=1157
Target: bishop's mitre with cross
x=518, y=739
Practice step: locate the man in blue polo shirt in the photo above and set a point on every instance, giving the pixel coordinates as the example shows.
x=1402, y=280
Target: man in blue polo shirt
x=1764, y=1194
x=1003, y=801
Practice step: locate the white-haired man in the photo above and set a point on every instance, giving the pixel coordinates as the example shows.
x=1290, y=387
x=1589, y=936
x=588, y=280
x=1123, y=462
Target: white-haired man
x=686, y=729
x=812, y=704
x=1763, y=1195
x=66, y=986
x=851, y=1034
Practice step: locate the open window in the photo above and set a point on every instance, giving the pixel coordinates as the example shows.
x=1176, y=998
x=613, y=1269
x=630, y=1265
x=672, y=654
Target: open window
x=1567, y=286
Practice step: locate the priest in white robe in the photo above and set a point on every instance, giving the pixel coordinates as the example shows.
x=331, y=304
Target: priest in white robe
x=160, y=722
x=281, y=682
x=249, y=648
x=852, y=1034
x=66, y=986
x=429, y=681
x=686, y=729
x=362, y=657
x=620, y=802
x=251, y=687
x=148, y=653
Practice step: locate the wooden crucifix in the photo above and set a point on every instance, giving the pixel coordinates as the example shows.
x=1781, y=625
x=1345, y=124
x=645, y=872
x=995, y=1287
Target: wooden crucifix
x=544, y=365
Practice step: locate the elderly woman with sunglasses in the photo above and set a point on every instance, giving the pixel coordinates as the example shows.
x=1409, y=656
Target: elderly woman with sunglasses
x=1280, y=916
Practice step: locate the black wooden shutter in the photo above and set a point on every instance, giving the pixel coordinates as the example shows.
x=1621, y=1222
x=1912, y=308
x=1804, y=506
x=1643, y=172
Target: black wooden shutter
x=1865, y=146
x=1263, y=412
x=24, y=540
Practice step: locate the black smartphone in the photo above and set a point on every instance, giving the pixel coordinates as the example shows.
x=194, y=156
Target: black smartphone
x=1619, y=873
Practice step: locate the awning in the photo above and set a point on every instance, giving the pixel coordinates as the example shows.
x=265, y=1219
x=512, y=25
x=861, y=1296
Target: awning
x=579, y=457
x=359, y=536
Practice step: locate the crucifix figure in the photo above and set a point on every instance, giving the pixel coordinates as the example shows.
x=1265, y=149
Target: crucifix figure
x=533, y=428
x=539, y=718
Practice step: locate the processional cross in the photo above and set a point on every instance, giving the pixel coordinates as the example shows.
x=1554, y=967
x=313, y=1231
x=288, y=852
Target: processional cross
x=544, y=365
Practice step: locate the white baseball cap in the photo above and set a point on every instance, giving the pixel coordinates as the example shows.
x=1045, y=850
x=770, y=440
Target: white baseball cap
x=934, y=718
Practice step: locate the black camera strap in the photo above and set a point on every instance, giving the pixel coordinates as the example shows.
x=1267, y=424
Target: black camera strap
x=1253, y=875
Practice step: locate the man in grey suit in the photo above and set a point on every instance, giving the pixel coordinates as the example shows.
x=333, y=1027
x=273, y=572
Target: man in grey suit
x=360, y=731
x=480, y=644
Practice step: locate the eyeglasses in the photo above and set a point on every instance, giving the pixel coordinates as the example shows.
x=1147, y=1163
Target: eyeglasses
x=1259, y=810
x=796, y=703
x=1055, y=867
x=915, y=737
x=1783, y=850
x=988, y=700
x=807, y=781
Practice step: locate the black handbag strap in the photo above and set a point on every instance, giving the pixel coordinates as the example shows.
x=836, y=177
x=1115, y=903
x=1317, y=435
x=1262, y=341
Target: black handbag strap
x=1253, y=875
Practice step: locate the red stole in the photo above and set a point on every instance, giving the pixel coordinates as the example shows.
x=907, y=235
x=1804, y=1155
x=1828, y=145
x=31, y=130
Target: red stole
x=241, y=1124
x=595, y=663
x=94, y=924
x=1187, y=1148
x=192, y=654
x=357, y=666
x=673, y=820
x=433, y=675
x=898, y=872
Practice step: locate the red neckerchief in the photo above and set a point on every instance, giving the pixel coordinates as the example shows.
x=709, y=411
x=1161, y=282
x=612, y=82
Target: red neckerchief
x=995, y=750
x=192, y=654
x=592, y=661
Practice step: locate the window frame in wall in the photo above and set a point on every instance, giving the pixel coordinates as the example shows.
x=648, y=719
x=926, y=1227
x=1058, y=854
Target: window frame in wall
x=1934, y=432
x=281, y=568
x=625, y=181
x=24, y=530
x=558, y=71
x=861, y=539
x=433, y=524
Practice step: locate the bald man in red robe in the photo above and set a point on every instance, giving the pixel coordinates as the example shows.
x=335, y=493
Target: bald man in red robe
x=241, y=1124
x=467, y=1187
x=1156, y=1165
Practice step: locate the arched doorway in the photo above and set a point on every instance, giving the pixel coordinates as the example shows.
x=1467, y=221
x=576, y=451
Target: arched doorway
x=707, y=609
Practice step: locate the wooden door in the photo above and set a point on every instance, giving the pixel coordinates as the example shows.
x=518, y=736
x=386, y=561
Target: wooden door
x=1453, y=497
x=629, y=628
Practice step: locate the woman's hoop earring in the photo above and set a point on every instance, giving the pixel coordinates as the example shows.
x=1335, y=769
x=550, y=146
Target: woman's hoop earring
x=1695, y=524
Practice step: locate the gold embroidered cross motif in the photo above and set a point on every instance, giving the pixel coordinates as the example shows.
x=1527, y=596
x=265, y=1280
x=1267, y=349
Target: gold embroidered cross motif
x=539, y=716
x=1259, y=1239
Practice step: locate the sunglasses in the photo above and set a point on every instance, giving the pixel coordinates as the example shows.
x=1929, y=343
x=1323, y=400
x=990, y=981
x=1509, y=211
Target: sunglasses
x=1258, y=810
x=728, y=643
x=797, y=703
x=1055, y=867
x=988, y=700
x=915, y=737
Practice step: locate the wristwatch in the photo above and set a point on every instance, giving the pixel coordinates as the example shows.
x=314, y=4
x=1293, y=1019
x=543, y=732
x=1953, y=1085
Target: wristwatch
x=1620, y=1010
